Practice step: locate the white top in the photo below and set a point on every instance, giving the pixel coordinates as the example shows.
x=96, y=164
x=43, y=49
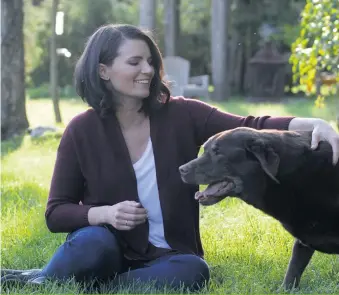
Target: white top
x=148, y=193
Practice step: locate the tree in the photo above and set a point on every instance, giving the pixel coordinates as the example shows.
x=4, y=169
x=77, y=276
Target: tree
x=219, y=45
x=82, y=18
x=245, y=17
x=13, y=109
x=36, y=20
x=316, y=50
x=171, y=26
x=53, y=72
x=147, y=14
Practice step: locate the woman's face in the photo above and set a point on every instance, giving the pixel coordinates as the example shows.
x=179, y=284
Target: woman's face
x=132, y=70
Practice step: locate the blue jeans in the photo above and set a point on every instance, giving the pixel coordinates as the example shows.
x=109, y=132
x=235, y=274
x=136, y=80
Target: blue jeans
x=93, y=252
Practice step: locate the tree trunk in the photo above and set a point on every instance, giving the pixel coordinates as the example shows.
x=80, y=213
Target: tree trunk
x=13, y=109
x=172, y=27
x=54, y=64
x=246, y=59
x=234, y=71
x=147, y=14
x=219, y=20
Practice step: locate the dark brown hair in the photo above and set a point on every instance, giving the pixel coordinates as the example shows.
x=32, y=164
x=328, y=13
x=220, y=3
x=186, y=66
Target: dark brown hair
x=102, y=47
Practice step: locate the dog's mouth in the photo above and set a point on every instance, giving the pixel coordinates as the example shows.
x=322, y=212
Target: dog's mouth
x=215, y=192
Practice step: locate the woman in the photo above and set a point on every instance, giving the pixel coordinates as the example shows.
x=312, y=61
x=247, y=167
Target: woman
x=116, y=188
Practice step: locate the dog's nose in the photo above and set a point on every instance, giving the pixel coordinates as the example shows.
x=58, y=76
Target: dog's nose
x=183, y=170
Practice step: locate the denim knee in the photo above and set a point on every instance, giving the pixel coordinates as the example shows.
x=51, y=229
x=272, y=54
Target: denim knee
x=96, y=240
x=198, y=273
x=89, y=252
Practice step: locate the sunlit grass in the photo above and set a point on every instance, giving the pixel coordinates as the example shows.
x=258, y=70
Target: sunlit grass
x=40, y=111
x=301, y=107
x=248, y=251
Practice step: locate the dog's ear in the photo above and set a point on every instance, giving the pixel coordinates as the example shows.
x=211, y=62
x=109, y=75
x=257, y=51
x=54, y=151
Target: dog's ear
x=267, y=157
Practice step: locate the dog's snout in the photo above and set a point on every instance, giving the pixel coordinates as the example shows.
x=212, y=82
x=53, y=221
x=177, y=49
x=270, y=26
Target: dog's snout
x=183, y=169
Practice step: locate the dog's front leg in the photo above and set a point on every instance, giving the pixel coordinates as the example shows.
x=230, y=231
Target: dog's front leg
x=301, y=256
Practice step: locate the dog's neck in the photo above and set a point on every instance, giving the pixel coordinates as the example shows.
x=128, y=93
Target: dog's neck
x=302, y=154
x=300, y=170
x=301, y=150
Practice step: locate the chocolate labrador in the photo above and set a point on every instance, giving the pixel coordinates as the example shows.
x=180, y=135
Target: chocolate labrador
x=278, y=173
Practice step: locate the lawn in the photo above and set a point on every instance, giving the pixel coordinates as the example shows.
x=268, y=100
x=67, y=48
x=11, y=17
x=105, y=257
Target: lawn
x=248, y=251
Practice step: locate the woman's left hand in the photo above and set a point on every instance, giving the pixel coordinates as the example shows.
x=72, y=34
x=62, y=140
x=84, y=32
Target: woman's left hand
x=324, y=132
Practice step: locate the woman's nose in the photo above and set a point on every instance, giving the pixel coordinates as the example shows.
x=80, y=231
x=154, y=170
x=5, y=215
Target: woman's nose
x=147, y=68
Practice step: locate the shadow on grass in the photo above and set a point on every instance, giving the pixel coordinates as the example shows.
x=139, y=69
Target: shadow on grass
x=72, y=287
x=11, y=145
x=48, y=136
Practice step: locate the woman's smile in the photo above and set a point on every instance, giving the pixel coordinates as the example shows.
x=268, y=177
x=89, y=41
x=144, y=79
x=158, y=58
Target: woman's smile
x=144, y=81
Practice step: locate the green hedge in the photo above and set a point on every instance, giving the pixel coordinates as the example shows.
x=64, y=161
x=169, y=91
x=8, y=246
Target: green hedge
x=43, y=91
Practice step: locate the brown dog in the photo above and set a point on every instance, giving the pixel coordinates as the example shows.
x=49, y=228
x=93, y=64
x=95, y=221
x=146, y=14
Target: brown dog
x=278, y=173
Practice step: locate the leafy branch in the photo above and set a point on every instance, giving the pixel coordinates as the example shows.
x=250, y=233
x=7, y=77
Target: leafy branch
x=315, y=53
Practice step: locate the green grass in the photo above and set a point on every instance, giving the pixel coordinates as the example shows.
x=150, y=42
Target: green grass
x=248, y=251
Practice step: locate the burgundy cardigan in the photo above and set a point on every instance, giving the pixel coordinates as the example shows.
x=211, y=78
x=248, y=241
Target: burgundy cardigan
x=93, y=166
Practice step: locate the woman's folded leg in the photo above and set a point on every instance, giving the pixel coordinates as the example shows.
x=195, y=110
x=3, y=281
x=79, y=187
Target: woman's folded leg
x=88, y=253
x=174, y=271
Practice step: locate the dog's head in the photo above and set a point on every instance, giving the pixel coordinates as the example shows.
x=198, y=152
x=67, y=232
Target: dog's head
x=237, y=162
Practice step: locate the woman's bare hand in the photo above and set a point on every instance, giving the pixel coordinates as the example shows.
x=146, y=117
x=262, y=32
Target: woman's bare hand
x=125, y=215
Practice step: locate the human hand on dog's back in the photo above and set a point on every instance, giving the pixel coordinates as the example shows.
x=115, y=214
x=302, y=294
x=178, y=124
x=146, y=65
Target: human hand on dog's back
x=122, y=216
x=321, y=131
x=324, y=131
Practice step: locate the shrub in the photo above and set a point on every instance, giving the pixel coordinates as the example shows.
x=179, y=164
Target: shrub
x=42, y=91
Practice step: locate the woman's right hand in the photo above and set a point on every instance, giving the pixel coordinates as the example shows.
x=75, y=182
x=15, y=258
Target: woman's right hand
x=125, y=215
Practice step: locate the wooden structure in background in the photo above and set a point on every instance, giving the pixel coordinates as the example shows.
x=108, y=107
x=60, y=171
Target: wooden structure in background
x=266, y=73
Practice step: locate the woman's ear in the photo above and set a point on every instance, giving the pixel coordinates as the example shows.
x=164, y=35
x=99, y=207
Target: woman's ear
x=103, y=72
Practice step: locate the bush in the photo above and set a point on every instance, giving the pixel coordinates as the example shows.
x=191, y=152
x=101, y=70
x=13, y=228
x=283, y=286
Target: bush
x=42, y=91
x=38, y=92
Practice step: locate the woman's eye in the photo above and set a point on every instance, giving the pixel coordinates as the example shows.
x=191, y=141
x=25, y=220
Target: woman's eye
x=133, y=63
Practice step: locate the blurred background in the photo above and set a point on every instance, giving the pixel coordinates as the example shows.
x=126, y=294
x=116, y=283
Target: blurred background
x=260, y=50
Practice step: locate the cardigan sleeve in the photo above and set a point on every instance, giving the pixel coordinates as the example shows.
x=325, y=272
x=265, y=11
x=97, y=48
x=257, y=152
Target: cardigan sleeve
x=209, y=120
x=63, y=212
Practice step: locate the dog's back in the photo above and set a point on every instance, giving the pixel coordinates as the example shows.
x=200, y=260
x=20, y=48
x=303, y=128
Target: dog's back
x=307, y=199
